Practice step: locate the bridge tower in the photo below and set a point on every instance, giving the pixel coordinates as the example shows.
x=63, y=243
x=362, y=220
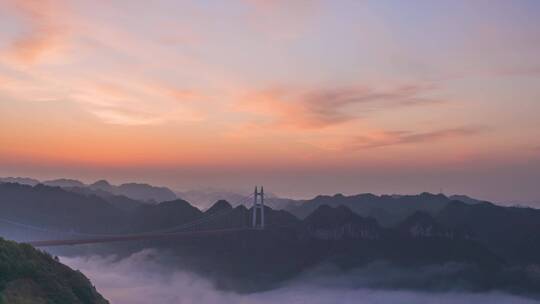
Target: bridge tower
x=258, y=204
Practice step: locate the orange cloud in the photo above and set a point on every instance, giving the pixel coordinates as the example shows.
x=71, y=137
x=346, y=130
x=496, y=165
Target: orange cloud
x=43, y=36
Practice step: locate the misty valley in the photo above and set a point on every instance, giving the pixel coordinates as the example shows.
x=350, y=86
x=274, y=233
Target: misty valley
x=269, y=151
x=138, y=243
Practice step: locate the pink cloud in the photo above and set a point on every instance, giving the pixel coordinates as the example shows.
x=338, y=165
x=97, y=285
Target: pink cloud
x=394, y=138
x=43, y=35
x=323, y=107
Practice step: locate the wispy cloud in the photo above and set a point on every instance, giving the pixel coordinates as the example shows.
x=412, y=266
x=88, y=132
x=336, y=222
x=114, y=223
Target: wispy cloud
x=323, y=107
x=127, y=103
x=394, y=138
x=102, y=76
x=44, y=34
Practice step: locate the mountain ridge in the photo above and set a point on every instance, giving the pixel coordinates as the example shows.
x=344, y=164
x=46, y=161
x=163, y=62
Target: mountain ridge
x=458, y=232
x=136, y=191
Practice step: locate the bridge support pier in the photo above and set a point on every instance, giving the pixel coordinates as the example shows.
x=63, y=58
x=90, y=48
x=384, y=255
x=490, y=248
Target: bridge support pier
x=258, y=204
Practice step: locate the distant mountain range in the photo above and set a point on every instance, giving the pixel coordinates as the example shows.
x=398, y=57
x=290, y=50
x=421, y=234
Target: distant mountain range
x=145, y=193
x=20, y=180
x=135, y=191
x=204, y=198
x=388, y=210
x=138, y=191
x=499, y=246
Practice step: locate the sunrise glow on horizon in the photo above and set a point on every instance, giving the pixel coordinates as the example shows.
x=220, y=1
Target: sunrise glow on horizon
x=302, y=96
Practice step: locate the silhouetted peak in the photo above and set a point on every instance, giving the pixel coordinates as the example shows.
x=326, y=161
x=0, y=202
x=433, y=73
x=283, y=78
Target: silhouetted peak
x=146, y=192
x=326, y=209
x=101, y=183
x=219, y=206
x=466, y=199
x=175, y=204
x=64, y=182
x=139, y=185
x=326, y=216
x=321, y=197
x=19, y=180
x=432, y=195
x=366, y=196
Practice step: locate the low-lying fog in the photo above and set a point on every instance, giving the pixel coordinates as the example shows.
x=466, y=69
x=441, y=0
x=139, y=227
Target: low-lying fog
x=140, y=279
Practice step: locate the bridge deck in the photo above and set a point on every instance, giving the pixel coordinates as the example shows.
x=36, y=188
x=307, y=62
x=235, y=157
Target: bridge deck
x=132, y=237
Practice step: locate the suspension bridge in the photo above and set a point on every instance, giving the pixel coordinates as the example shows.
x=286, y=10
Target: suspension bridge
x=191, y=229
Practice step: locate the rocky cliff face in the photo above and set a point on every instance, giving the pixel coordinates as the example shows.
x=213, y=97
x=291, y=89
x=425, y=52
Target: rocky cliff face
x=340, y=223
x=343, y=232
x=423, y=225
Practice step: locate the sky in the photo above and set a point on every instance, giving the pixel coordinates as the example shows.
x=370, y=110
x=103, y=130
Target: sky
x=304, y=97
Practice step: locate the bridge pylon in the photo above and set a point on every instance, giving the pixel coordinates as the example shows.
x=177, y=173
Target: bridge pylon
x=258, y=204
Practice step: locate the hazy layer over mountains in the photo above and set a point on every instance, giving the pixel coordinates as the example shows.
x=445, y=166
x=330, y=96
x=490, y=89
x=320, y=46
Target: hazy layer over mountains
x=136, y=191
x=201, y=198
x=496, y=247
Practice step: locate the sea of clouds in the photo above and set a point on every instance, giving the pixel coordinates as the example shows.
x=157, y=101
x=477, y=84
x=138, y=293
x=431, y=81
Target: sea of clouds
x=141, y=279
